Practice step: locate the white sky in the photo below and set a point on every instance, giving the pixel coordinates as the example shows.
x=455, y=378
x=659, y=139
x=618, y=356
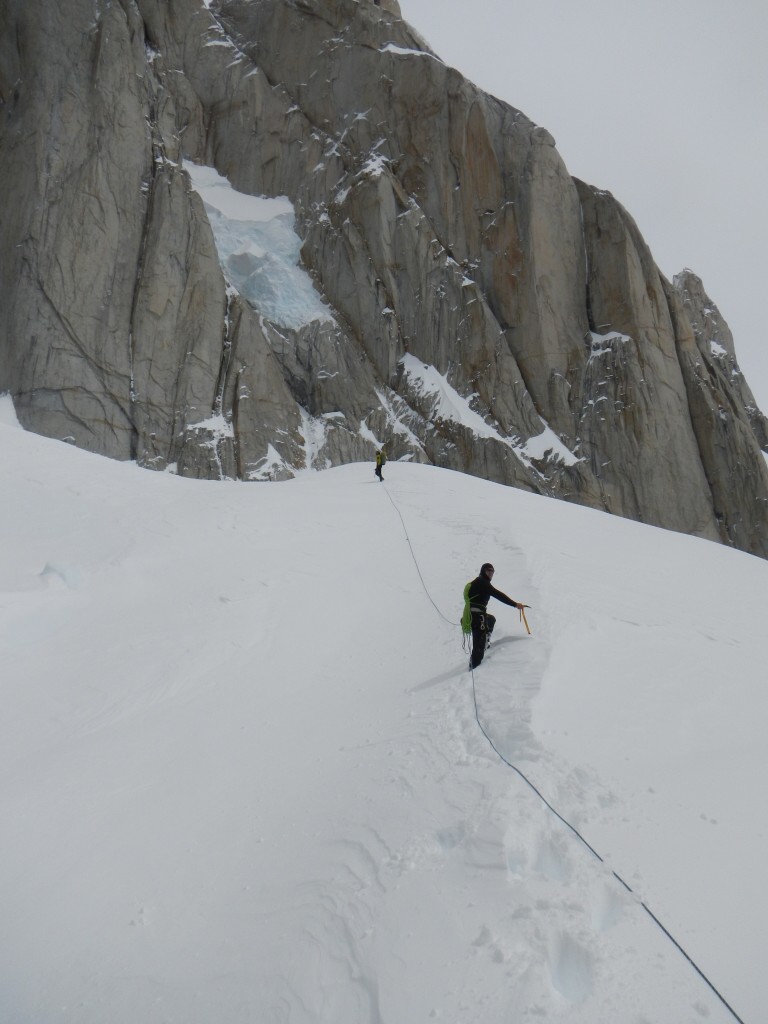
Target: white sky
x=664, y=103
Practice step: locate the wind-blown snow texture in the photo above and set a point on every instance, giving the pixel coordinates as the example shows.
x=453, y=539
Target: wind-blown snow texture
x=242, y=778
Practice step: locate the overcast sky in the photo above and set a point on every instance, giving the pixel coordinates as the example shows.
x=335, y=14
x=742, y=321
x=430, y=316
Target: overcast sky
x=662, y=102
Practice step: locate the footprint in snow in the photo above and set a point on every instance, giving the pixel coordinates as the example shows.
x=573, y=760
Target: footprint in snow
x=608, y=907
x=552, y=859
x=571, y=968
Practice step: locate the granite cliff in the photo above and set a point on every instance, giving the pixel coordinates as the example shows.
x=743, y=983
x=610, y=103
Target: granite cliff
x=477, y=307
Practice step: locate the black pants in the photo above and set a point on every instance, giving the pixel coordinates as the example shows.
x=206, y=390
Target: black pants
x=482, y=627
x=377, y=471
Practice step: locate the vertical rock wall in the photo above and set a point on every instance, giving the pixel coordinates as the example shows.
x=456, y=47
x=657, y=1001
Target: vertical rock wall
x=437, y=223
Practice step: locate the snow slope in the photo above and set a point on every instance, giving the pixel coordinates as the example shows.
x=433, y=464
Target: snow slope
x=243, y=780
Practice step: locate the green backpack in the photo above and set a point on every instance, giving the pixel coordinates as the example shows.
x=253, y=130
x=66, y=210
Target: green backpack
x=466, y=615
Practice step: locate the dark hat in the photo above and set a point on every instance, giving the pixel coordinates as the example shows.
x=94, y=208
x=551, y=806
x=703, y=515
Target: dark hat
x=484, y=568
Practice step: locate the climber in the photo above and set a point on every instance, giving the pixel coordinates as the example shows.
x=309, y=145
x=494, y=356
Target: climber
x=381, y=458
x=476, y=619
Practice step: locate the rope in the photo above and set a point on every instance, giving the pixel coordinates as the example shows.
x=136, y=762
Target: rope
x=595, y=854
x=528, y=782
x=415, y=561
x=546, y=802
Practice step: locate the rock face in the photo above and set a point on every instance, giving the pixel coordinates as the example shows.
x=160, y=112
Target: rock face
x=486, y=312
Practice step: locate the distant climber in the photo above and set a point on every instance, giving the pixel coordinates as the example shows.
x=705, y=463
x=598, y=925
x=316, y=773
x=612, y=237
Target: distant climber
x=381, y=459
x=476, y=619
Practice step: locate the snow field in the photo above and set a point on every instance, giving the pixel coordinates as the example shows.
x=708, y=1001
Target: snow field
x=246, y=781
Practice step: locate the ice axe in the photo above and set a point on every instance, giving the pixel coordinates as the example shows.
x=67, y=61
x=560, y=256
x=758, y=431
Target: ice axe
x=521, y=608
